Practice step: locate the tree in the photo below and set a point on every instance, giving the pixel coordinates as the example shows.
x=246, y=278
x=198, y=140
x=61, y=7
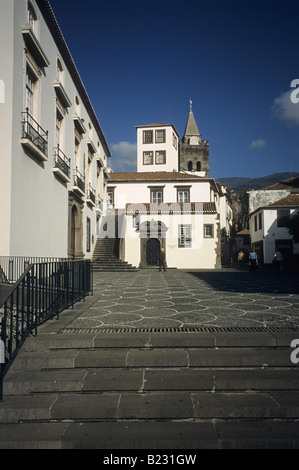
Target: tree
x=293, y=226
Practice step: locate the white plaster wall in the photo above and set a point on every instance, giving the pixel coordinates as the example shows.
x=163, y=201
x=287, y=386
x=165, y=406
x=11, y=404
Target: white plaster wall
x=201, y=255
x=39, y=214
x=6, y=106
x=171, y=152
x=139, y=192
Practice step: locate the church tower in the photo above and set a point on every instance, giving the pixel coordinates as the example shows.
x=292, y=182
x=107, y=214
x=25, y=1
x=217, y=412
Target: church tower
x=194, y=152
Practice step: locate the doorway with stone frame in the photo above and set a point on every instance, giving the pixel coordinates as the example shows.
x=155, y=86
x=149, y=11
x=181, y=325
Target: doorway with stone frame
x=75, y=229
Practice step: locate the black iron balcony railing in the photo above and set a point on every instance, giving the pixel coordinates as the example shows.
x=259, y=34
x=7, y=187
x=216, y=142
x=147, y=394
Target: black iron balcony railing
x=42, y=292
x=91, y=194
x=79, y=180
x=34, y=132
x=61, y=161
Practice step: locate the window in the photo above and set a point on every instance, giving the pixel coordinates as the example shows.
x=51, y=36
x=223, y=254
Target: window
x=110, y=197
x=190, y=166
x=183, y=195
x=30, y=91
x=198, y=166
x=255, y=223
x=174, y=141
x=160, y=136
x=148, y=158
x=147, y=137
x=208, y=231
x=59, y=72
x=160, y=157
x=260, y=221
x=88, y=234
x=184, y=236
x=59, y=121
x=282, y=217
x=156, y=196
x=32, y=18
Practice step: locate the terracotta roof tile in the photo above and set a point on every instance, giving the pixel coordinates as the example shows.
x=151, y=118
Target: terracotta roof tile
x=291, y=183
x=288, y=201
x=154, y=176
x=171, y=208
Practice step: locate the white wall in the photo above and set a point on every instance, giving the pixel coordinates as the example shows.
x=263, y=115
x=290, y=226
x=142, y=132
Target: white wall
x=38, y=199
x=171, y=152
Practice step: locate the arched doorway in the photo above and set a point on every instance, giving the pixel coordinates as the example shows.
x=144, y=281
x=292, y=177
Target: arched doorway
x=152, y=251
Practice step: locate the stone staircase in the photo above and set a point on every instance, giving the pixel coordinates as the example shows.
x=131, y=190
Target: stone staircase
x=105, y=255
x=152, y=390
x=105, y=259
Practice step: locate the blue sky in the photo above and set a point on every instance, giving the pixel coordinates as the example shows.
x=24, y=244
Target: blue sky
x=141, y=61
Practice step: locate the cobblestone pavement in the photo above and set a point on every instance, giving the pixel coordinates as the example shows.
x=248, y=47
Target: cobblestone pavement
x=183, y=299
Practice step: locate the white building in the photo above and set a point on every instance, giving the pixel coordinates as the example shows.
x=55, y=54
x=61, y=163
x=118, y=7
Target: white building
x=161, y=207
x=269, y=208
x=53, y=151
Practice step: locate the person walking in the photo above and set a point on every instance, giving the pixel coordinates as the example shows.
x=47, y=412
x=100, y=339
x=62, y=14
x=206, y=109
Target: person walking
x=162, y=260
x=278, y=259
x=253, y=261
x=241, y=257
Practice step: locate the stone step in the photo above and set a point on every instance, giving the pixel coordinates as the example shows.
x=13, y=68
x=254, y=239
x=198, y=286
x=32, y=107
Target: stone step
x=149, y=380
x=159, y=358
x=47, y=407
x=144, y=435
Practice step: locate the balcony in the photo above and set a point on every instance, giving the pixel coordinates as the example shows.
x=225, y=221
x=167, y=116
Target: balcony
x=79, y=183
x=61, y=165
x=34, y=137
x=91, y=196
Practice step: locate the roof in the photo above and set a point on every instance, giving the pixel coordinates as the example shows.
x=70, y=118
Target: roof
x=243, y=232
x=154, y=176
x=50, y=19
x=289, y=201
x=191, y=126
x=158, y=124
x=290, y=183
x=171, y=208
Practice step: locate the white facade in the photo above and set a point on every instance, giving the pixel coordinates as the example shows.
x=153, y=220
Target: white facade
x=157, y=148
x=189, y=230
x=268, y=231
x=53, y=151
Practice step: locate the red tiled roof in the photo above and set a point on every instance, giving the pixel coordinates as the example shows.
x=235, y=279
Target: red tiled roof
x=171, y=208
x=154, y=176
x=291, y=183
x=288, y=201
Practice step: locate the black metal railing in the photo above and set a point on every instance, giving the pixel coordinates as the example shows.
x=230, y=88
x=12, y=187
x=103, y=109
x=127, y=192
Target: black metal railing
x=91, y=194
x=79, y=180
x=61, y=161
x=42, y=292
x=33, y=131
x=12, y=267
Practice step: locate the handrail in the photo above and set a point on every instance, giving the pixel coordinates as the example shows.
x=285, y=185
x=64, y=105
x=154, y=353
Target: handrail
x=41, y=293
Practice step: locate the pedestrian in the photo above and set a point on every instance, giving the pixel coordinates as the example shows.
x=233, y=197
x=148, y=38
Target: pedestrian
x=253, y=261
x=278, y=259
x=241, y=259
x=162, y=260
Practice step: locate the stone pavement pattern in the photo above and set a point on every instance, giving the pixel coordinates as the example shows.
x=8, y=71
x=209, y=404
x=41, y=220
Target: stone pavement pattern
x=83, y=383
x=180, y=299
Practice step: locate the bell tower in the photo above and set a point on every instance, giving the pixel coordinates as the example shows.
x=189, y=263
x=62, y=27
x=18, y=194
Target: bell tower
x=194, y=152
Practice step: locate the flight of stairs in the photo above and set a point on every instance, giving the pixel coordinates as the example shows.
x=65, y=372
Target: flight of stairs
x=105, y=259
x=105, y=256
x=151, y=390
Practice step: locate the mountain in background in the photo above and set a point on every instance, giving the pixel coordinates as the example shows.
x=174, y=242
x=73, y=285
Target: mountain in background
x=240, y=185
